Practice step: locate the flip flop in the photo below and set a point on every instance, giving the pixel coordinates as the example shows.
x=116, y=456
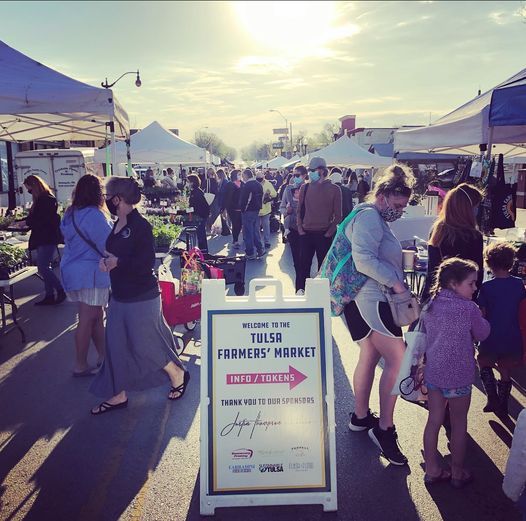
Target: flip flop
x=87, y=372
x=445, y=475
x=180, y=388
x=107, y=407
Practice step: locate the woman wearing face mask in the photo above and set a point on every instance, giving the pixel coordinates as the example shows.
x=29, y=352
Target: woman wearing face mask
x=44, y=222
x=198, y=202
x=289, y=209
x=377, y=253
x=140, y=348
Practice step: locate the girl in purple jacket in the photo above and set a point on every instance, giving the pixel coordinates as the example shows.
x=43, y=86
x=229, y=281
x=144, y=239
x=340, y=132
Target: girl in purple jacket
x=453, y=322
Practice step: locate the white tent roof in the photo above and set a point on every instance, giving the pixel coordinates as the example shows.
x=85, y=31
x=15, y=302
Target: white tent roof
x=461, y=131
x=38, y=103
x=345, y=152
x=292, y=161
x=156, y=144
x=276, y=162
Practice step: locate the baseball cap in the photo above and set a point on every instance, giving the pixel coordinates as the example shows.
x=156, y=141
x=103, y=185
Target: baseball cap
x=335, y=178
x=317, y=162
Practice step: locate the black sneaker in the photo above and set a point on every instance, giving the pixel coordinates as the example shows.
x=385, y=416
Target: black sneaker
x=387, y=442
x=362, y=424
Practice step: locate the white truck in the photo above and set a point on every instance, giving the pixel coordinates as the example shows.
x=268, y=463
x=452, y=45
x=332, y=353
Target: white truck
x=59, y=168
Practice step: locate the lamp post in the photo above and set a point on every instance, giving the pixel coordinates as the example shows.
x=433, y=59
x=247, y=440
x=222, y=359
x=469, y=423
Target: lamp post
x=287, y=127
x=138, y=81
x=107, y=85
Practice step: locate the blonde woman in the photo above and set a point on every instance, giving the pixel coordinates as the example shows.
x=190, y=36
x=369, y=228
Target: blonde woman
x=44, y=222
x=377, y=253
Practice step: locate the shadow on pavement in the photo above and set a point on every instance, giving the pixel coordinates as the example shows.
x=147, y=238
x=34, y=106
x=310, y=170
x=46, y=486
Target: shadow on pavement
x=100, y=464
x=358, y=466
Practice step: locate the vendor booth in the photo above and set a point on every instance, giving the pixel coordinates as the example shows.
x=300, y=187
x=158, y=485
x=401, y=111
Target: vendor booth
x=345, y=152
x=39, y=103
x=156, y=144
x=495, y=119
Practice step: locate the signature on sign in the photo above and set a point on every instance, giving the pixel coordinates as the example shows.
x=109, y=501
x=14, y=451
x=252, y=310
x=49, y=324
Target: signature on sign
x=245, y=424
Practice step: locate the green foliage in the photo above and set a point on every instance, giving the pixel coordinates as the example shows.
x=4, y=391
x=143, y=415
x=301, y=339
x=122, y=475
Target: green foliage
x=11, y=255
x=215, y=145
x=164, y=232
x=257, y=151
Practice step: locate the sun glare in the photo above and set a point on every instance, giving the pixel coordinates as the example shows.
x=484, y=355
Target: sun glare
x=294, y=28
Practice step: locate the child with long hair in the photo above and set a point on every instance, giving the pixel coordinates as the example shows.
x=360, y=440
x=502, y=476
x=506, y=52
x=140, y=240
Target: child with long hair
x=499, y=300
x=452, y=322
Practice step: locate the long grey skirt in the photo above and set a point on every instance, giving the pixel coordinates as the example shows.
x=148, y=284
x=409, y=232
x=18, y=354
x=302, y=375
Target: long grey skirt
x=139, y=344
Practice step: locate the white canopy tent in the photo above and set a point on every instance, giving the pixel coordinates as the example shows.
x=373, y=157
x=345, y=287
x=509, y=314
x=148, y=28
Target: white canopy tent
x=156, y=144
x=274, y=163
x=345, y=152
x=493, y=118
x=39, y=103
x=292, y=161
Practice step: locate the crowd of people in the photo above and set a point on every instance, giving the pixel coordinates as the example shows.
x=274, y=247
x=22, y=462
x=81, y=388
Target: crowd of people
x=136, y=349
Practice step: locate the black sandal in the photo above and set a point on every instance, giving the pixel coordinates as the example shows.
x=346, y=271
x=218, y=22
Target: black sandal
x=106, y=407
x=180, y=388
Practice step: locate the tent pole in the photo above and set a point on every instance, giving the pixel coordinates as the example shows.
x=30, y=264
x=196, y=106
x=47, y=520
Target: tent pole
x=490, y=144
x=128, y=157
x=114, y=170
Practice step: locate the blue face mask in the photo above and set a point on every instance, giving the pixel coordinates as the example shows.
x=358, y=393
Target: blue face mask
x=314, y=176
x=297, y=180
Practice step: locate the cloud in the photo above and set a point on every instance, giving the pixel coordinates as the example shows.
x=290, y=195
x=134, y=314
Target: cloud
x=374, y=101
x=263, y=65
x=504, y=17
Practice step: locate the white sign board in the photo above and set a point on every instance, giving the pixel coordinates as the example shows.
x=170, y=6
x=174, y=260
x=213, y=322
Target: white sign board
x=267, y=398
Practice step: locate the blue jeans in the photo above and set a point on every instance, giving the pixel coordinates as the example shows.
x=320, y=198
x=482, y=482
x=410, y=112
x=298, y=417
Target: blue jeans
x=202, y=243
x=251, y=233
x=264, y=222
x=45, y=255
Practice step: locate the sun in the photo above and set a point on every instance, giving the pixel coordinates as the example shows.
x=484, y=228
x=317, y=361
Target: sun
x=292, y=28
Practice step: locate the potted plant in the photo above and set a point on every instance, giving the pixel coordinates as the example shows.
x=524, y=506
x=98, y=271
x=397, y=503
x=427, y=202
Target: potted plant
x=12, y=260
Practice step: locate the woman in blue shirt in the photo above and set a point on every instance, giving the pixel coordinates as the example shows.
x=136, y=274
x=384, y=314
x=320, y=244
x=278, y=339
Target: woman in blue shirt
x=86, y=227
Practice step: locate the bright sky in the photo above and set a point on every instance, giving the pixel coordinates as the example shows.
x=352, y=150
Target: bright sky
x=225, y=64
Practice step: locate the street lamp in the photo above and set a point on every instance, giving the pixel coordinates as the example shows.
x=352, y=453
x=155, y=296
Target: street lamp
x=286, y=126
x=138, y=81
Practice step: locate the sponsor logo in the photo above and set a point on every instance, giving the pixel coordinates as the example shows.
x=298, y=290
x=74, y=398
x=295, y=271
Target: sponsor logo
x=241, y=469
x=304, y=466
x=242, y=454
x=271, y=467
x=269, y=453
x=299, y=451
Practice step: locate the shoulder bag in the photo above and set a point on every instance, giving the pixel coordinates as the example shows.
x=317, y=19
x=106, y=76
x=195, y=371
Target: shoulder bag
x=405, y=306
x=88, y=241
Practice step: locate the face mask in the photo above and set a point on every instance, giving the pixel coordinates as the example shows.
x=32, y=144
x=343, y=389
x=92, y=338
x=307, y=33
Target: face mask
x=297, y=180
x=112, y=207
x=314, y=176
x=390, y=215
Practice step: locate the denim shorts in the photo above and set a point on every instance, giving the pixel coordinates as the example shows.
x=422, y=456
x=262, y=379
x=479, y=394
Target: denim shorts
x=456, y=392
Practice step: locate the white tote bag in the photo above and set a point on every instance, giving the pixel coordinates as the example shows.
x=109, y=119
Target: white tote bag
x=410, y=381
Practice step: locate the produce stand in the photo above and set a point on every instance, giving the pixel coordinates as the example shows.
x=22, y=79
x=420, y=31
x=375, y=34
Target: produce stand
x=7, y=296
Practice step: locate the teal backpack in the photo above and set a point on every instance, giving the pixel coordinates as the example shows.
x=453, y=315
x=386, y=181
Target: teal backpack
x=345, y=280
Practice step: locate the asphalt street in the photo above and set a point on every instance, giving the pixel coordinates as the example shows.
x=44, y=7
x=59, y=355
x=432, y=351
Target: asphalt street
x=57, y=462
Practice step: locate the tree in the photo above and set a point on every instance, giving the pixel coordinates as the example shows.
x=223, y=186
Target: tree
x=256, y=151
x=214, y=144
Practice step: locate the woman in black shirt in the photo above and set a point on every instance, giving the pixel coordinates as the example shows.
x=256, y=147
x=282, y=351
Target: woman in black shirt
x=201, y=212
x=455, y=232
x=140, y=348
x=44, y=222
